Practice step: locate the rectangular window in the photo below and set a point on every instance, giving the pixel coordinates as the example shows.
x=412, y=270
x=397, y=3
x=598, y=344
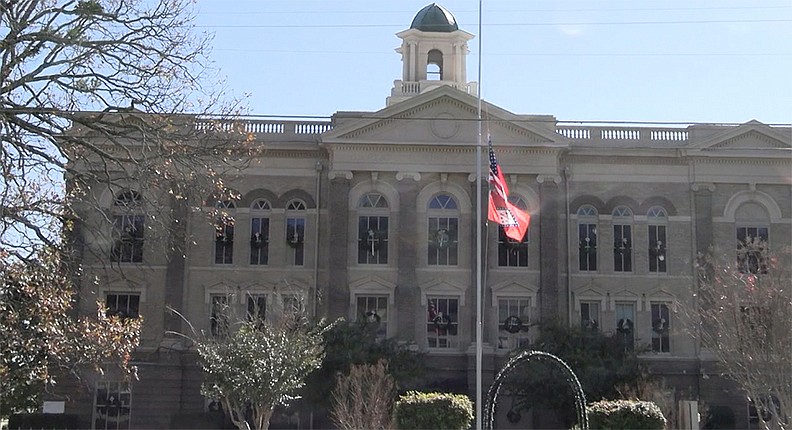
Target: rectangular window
x=657, y=248
x=256, y=307
x=514, y=322
x=590, y=315
x=112, y=405
x=661, y=325
x=259, y=241
x=751, y=244
x=123, y=305
x=295, y=237
x=587, y=236
x=442, y=322
x=443, y=241
x=622, y=248
x=625, y=325
x=373, y=240
x=128, y=234
x=511, y=253
x=374, y=310
x=219, y=314
x=224, y=243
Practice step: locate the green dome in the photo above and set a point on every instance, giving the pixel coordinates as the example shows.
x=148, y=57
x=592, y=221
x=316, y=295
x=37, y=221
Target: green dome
x=434, y=18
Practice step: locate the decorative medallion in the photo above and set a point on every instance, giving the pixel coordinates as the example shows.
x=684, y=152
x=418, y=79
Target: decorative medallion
x=445, y=126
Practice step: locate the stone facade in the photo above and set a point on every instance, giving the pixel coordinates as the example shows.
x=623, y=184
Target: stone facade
x=407, y=173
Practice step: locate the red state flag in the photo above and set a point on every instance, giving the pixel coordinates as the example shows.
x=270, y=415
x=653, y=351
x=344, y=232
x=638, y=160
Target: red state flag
x=513, y=219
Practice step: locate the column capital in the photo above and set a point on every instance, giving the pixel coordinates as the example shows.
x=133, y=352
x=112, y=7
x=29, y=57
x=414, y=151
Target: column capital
x=346, y=174
x=401, y=175
x=547, y=178
x=703, y=186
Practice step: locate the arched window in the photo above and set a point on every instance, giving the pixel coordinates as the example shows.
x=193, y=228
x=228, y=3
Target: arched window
x=259, y=232
x=587, y=238
x=658, y=245
x=752, y=223
x=510, y=252
x=224, y=232
x=295, y=231
x=443, y=230
x=128, y=228
x=622, y=239
x=372, y=229
x=434, y=66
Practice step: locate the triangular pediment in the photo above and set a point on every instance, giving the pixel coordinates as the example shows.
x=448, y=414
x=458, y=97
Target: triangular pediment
x=752, y=136
x=444, y=116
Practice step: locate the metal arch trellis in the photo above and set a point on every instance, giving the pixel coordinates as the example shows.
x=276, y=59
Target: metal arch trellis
x=571, y=378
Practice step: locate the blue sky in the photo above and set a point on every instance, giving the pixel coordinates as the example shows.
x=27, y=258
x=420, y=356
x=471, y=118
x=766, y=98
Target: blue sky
x=723, y=61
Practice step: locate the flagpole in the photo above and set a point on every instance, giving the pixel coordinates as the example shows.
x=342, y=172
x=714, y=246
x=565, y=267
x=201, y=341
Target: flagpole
x=479, y=324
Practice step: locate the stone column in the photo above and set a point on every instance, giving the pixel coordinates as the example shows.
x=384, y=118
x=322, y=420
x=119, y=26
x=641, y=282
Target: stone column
x=338, y=237
x=549, y=246
x=702, y=200
x=407, y=251
x=175, y=272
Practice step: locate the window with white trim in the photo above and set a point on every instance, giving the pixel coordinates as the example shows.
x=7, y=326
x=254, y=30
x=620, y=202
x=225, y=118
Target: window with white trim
x=658, y=245
x=128, y=228
x=443, y=230
x=512, y=253
x=590, y=315
x=587, y=238
x=224, y=233
x=514, y=322
x=373, y=310
x=661, y=326
x=259, y=232
x=112, y=405
x=442, y=322
x=295, y=231
x=622, y=239
x=124, y=305
x=625, y=324
x=372, y=229
x=753, y=233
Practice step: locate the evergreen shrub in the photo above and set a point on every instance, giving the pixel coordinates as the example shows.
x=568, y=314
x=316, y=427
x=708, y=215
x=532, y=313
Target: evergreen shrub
x=625, y=414
x=416, y=410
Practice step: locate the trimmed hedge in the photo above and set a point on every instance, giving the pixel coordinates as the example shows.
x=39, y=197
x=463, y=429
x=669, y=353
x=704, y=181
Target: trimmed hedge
x=445, y=411
x=625, y=414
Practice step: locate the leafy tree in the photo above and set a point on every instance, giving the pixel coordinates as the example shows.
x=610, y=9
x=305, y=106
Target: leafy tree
x=745, y=313
x=39, y=335
x=260, y=365
x=351, y=343
x=601, y=363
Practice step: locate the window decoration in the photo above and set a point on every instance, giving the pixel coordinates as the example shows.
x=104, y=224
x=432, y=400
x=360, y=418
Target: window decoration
x=123, y=305
x=128, y=228
x=219, y=314
x=224, y=232
x=661, y=324
x=442, y=322
x=295, y=231
x=513, y=322
x=112, y=405
x=374, y=310
x=512, y=253
x=751, y=246
x=625, y=324
x=622, y=239
x=587, y=238
x=590, y=316
x=657, y=239
x=442, y=231
x=259, y=232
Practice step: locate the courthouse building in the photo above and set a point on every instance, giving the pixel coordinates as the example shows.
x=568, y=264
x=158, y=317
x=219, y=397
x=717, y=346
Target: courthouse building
x=373, y=215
